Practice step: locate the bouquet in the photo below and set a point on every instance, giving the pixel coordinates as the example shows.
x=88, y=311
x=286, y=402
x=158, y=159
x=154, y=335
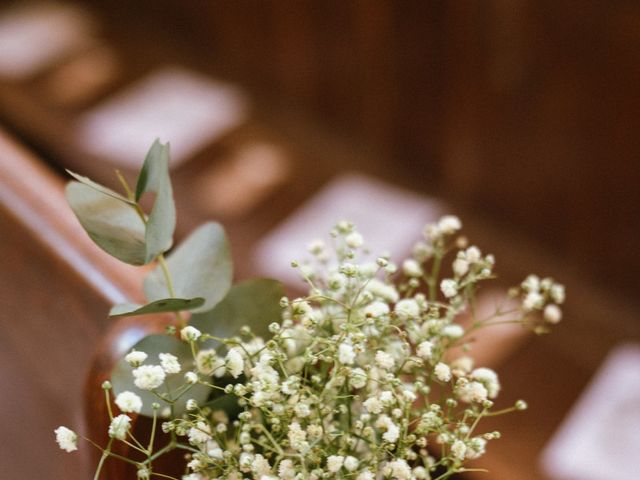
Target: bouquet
x=365, y=377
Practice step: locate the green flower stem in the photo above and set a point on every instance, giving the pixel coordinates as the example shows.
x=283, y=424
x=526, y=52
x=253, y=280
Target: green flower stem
x=105, y=454
x=153, y=430
x=167, y=448
x=432, y=280
x=107, y=400
x=167, y=278
x=162, y=475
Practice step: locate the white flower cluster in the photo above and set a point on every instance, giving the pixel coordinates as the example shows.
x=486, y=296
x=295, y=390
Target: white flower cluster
x=364, y=378
x=544, y=296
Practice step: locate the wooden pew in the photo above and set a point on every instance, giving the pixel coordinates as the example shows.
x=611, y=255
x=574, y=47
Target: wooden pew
x=55, y=290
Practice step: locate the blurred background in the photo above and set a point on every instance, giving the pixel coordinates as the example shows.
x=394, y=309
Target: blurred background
x=521, y=117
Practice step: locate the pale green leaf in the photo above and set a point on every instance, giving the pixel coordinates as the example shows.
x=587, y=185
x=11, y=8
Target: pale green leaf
x=111, y=223
x=154, y=177
x=159, y=306
x=100, y=188
x=199, y=267
x=255, y=303
x=152, y=345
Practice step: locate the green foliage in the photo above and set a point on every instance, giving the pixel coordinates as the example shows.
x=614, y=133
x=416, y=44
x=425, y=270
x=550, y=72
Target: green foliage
x=100, y=188
x=195, y=277
x=153, y=345
x=199, y=267
x=159, y=306
x=154, y=177
x=116, y=223
x=111, y=223
x=255, y=303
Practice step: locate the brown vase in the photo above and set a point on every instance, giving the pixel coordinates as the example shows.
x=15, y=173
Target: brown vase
x=118, y=341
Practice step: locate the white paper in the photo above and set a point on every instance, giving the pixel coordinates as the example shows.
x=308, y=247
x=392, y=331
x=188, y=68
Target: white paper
x=600, y=438
x=390, y=219
x=35, y=37
x=187, y=109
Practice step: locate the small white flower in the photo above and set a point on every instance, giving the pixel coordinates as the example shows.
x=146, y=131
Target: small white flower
x=489, y=379
x=143, y=473
x=286, y=469
x=533, y=300
x=376, y=309
x=373, y=405
x=476, y=448
x=354, y=240
x=407, y=308
x=148, y=377
x=411, y=268
x=191, y=378
x=191, y=405
x=453, y=331
x=129, y=402
x=135, y=358
x=393, y=431
x=409, y=396
x=346, y=354
x=302, y=410
x=200, y=434
x=420, y=473
x=552, y=313
x=449, y=224
x=300, y=307
x=358, y=378
x=557, y=293
x=449, y=287
x=351, y=463
x=169, y=363
x=67, y=439
x=190, y=334
x=261, y=467
x=119, y=427
x=442, y=372
x=531, y=283
x=208, y=363
x=400, y=470
x=235, y=362
x=459, y=449
x=384, y=360
x=382, y=290
x=473, y=392
x=473, y=254
x=366, y=475
x=460, y=266
x=387, y=398
x=334, y=463
x=297, y=437
x=425, y=349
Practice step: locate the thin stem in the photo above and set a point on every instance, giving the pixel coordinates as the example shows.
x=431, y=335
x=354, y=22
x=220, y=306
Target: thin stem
x=105, y=454
x=107, y=400
x=153, y=430
x=167, y=278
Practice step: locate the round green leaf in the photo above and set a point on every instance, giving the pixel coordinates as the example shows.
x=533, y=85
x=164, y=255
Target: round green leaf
x=159, y=306
x=255, y=303
x=153, y=345
x=199, y=267
x=112, y=223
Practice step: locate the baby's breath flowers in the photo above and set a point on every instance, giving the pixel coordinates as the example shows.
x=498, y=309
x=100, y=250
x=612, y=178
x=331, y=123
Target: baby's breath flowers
x=364, y=378
x=67, y=439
